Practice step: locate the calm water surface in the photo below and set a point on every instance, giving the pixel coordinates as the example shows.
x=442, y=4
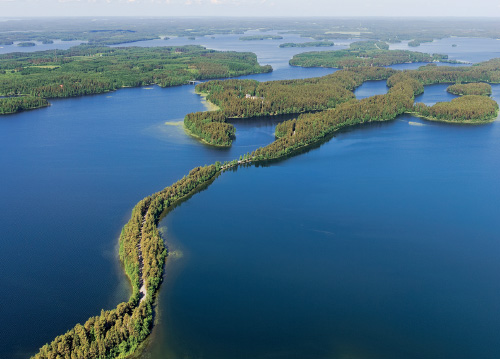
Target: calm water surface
x=383, y=243
x=72, y=173
x=382, y=239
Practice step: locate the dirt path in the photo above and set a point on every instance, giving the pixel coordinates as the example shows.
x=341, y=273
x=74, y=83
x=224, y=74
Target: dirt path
x=143, y=289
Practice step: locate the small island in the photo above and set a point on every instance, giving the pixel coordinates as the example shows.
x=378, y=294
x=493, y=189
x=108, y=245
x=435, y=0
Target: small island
x=417, y=42
x=471, y=109
x=261, y=37
x=308, y=44
x=26, y=44
x=476, y=88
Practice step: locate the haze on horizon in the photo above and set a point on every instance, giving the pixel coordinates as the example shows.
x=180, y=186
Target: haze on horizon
x=247, y=8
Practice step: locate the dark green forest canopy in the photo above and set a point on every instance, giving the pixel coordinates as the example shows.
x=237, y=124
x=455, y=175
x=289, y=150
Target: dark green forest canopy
x=21, y=103
x=363, y=53
x=477, y=88
x=85, y=70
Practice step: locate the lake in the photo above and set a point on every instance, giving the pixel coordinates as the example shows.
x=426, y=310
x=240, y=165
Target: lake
x=381, y=243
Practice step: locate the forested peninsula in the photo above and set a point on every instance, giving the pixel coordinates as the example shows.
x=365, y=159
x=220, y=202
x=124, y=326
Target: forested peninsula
x=326, y=104
x=87, y=70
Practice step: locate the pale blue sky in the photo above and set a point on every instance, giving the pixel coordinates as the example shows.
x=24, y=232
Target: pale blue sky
x=249, y=8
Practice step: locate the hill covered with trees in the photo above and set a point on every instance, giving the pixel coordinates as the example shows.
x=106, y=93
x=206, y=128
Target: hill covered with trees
x=86, y=70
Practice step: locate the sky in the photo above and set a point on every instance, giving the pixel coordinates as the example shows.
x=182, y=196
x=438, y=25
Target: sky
x=16, y=8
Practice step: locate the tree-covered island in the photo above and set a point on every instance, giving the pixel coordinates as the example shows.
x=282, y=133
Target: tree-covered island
x=249, y=98
x=471, y=109
x=479, y=88
x=308, y=44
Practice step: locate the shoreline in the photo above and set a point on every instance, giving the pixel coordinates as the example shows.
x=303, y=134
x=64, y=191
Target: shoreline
x=210, y=106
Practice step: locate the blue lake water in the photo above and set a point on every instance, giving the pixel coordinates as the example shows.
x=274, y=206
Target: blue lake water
x=382, y=243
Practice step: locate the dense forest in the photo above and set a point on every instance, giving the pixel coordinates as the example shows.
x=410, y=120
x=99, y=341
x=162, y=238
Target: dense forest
x=119, y=332
x=363, y=53
x=21, y=103
x=475, y=88
x=250, y=98
x=464, y=109
x=211, y=127
x=85, y=70
x=308, y=44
